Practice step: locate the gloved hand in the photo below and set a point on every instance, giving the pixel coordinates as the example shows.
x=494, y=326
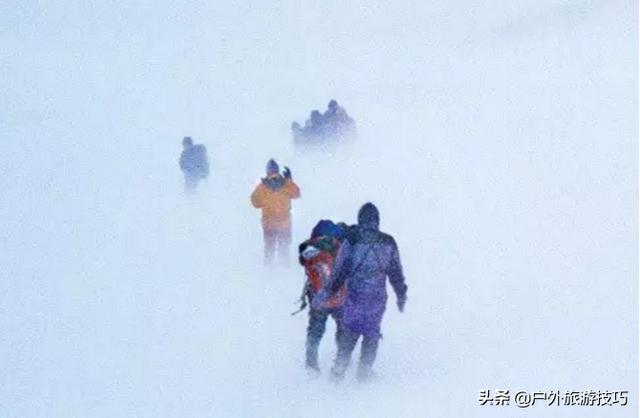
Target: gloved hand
x=286, y=173
x=401, y=302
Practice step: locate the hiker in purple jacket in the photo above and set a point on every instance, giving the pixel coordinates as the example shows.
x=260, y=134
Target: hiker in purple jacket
x=364, y=262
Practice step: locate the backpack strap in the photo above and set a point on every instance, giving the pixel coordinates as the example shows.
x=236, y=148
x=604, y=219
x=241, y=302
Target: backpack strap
x=364, y=258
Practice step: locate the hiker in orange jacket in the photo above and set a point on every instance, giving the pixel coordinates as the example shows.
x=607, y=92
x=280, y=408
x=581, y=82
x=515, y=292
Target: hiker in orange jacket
x=273, y=195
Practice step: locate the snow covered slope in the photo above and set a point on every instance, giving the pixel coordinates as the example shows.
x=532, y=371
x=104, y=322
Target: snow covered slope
x=499, y=140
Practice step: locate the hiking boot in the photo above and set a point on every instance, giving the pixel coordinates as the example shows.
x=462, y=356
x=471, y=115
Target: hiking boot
x=313, y=371
x=337, y=372
x=365, y=374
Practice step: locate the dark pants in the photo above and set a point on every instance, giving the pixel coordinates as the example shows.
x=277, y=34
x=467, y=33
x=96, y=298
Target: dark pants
x=315, y=331
x=277, y=240
x=190, y=183
x=346, y=344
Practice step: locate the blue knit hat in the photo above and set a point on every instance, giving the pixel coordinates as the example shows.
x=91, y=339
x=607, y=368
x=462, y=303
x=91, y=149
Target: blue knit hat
x=272, y=167
x=327, y=228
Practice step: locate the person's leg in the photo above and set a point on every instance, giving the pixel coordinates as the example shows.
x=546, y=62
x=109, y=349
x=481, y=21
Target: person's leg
x=337, y=317
x=368, y=353
x=315, y=330
x=269, y=245
x=346, y=344
x=284, y=241
x=190, y=183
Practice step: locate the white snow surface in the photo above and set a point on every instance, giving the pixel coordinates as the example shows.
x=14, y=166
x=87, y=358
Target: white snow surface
x=498, y=139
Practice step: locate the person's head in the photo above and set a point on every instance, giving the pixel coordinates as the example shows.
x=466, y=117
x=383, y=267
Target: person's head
x=187, y=142
x=333, y=105
x=316, y=116
x=368, y=215
x=325, y=227
x=272, y=167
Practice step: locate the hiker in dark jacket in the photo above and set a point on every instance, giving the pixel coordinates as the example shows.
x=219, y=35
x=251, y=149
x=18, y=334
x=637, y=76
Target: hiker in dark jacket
x=194, y=163
x=364, y=262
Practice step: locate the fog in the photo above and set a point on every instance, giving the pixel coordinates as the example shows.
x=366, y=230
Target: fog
x=498, y=139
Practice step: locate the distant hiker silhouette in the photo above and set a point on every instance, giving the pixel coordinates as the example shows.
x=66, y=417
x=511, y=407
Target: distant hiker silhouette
x=194, y=163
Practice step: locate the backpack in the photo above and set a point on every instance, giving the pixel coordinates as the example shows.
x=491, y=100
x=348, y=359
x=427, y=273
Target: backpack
x=200, y=155
x=317, y=255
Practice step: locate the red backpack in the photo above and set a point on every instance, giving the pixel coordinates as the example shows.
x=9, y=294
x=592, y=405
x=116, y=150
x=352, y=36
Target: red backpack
x=318, y=265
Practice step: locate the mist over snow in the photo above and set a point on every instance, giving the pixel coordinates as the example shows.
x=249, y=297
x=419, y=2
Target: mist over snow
x=499, y=140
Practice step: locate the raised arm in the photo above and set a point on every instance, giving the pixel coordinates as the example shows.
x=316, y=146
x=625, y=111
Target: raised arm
x=292, y=189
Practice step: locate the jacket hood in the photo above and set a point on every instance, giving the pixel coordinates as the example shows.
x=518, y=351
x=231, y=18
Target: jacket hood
x=369, y=216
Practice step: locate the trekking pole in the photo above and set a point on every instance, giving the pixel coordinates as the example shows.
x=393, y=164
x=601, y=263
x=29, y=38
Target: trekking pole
x=302, y=299
x=303, y=305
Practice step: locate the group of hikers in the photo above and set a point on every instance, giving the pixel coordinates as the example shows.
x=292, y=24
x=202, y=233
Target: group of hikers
x=346, y=270
x=334, y=123
x=346, y=266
